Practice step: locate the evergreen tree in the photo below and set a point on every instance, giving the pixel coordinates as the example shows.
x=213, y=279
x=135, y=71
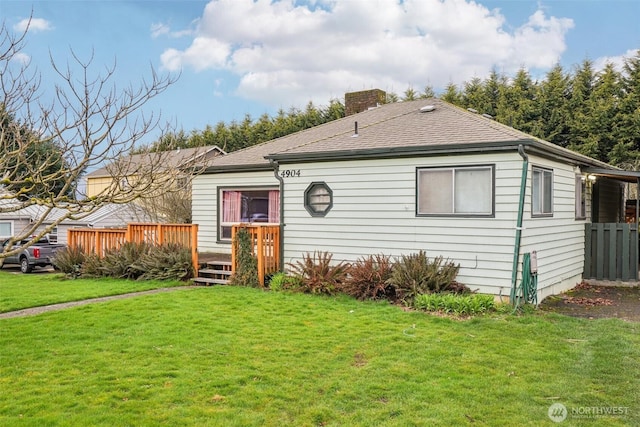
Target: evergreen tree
x=492, y=92
x=584, y=136
x=627, y=147
x=516, y=106
x=334, y=111
x=410, y=94
x=604, y=115
x=26, y=156
x=452, y=94
x=474, y=96
x=428, y=92
x=552, y=104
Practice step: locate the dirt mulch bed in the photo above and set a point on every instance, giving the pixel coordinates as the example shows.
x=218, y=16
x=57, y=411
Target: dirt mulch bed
x=597, y=301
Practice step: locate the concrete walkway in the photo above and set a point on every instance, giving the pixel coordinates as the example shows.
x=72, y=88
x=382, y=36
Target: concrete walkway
x=32, y=311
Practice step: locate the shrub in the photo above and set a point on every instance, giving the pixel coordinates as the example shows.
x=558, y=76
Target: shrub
x=317, y=275
x=246, y=273
x=280, y=281
x=92, y=266
x=369, y=278
x=166, y=262
x=469, y=304
x=69, y=260
x=123, y=263
x=416, y=274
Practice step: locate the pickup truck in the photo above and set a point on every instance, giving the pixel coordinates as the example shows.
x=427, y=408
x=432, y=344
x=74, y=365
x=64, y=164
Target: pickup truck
x=39, y=254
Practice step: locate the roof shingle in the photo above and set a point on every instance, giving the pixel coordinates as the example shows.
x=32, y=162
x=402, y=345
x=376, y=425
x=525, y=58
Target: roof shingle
x=392, y=129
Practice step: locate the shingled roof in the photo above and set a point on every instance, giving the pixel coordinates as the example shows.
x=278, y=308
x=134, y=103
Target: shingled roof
x=170, y=159
x=422, y=127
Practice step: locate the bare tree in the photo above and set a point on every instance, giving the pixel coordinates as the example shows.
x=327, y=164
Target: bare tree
x=173, y=207
x=79, y=122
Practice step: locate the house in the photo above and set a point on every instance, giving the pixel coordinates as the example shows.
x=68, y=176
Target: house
x=125, y=171
x=108, y=216
x=419, y=175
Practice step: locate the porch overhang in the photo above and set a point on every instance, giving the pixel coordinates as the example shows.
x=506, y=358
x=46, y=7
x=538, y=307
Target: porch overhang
x=620, y=175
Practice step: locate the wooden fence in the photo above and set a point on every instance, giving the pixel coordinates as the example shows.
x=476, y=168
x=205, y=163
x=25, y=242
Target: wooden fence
x=611, y=251
x=99, y=240
x=265, y=243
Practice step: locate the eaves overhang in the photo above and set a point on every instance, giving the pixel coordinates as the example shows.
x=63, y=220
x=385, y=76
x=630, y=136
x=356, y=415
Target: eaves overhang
x=618, y=174
x=533, y=146
x=237, y=168
x=391, y=152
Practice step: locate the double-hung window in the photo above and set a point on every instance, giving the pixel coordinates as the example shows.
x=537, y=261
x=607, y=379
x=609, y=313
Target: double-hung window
x=246, y=205
x=6, y=229
x=463, y=190
x=541, y=192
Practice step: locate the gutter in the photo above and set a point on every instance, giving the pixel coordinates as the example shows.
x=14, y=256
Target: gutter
x=516, y=249
x=533, y=146
x=276, y=170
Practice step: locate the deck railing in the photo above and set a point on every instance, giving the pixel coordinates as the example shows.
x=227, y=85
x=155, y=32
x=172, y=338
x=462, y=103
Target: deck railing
x=99, y=240
x=265, y=244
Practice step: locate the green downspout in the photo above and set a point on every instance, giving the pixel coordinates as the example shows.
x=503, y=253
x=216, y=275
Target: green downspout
x=276, y=173
x=636, y=240
x=516, y=249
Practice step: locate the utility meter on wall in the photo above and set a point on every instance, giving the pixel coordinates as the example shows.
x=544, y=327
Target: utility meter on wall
x=534, y=262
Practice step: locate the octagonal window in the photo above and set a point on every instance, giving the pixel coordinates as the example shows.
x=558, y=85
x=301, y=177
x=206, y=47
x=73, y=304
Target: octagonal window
x=318, y=199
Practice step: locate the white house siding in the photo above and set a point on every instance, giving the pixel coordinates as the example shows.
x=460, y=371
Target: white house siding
x=205, y=199
x=558, y=240
x=374, y=212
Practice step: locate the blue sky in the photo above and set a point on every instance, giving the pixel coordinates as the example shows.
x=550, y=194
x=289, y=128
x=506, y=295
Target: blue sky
x=238, y=57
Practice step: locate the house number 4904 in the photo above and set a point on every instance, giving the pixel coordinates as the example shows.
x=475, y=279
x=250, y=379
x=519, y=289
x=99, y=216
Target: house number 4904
x=290, y=173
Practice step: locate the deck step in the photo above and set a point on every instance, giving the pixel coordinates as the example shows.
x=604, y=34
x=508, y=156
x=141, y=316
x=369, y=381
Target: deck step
x=218, y=263
x=209, y=281
x=206, y=271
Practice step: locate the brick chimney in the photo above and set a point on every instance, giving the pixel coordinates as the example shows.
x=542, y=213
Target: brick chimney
x=356, y=102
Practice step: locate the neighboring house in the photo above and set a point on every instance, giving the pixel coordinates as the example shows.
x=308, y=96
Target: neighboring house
x=419, y=175
x=101, y=179
x=107, y=216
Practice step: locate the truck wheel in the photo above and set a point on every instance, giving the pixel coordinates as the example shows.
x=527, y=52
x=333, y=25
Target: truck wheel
x=24, y=265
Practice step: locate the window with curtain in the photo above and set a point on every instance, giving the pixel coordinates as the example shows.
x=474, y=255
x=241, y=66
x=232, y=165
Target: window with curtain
x=462, y=191
x=246, y=205
x=541, y=192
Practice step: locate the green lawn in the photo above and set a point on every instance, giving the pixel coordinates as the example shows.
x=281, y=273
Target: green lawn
x=225, y=356
x=18, y=291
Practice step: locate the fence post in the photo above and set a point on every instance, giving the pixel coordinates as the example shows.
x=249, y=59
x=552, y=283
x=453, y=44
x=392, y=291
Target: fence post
x=194, y=247
x=260, y=253
x=234, y=231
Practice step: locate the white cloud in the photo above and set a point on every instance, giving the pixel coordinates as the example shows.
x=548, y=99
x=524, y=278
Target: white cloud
x=21, y=58
x=287, y=52
x=33, y=24
x=617, y=61
x=160, y=29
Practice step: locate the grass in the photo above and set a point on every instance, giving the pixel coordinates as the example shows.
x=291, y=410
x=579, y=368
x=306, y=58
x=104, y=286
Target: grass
x=18, y=291
x=231, y=356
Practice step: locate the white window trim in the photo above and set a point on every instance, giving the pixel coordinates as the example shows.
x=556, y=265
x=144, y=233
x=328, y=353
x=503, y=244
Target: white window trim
x=490, y=167
x=543, y=171
x=11, y=228
x=221, y=190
